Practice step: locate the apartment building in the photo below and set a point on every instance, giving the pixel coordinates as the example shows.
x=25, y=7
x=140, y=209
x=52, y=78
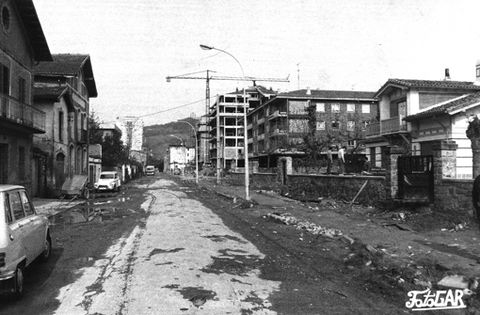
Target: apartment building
x=277, y=128
x=22, y=45
x=227, y=146
x=63, y=89
x=414, y=113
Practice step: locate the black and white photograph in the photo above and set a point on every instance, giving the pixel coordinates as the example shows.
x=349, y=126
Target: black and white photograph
x=214, y=157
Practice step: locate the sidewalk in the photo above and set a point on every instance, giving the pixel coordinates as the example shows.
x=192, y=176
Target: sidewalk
x=448, y=252
x=51, y=207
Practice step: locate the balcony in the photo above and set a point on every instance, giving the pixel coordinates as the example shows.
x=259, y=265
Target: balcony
x=21, y=114
x=279, y=132
x=386, y=126
x=277, y=114
x=261, y=121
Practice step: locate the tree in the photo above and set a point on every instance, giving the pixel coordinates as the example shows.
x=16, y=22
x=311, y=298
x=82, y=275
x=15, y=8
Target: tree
x=114, y=152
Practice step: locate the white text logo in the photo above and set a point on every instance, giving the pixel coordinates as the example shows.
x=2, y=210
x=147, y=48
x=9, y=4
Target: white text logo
x=438, y=300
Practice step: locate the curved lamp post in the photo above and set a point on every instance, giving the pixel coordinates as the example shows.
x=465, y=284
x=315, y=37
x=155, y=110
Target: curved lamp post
x=196, y=148
x=245, y=109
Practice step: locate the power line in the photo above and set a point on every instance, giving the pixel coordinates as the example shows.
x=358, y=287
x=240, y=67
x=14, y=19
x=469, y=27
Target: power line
x=165, y=110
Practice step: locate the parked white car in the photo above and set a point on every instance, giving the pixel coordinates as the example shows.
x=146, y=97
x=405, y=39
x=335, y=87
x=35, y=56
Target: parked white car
x=108, y=181
x=24, y=236
x=150, y=170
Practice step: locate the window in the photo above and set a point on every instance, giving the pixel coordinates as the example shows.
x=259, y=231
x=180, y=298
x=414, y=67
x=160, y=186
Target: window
x=350, y=125
x=26, y=203
x=320, y=125
x=5, y=18
x=335, y=108
x=4, y=80
x=320, y=107
x=22, y=94
x=21, y=163
x=366, y=108
x=478, y=72
x=8, y=213
x=350, y=108
x=335, y=124
x=16, y=205
x=298, y=107
x=60, y=126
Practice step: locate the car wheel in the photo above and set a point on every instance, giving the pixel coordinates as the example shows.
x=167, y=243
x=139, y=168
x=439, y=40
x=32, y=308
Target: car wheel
x=18, y=282
x=47, y=249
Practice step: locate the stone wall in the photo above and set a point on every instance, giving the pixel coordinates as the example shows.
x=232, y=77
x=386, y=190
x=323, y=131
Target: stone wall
x=311, y=187
x=454, y=196
x=338, y=187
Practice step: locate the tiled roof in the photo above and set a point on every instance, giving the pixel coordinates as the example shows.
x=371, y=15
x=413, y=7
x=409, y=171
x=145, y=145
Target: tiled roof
x=447, y=107
x=328, y=94
x=53, y=92
x=62, y=64
x=430, y=84
x=29, y=17
x=69, y=64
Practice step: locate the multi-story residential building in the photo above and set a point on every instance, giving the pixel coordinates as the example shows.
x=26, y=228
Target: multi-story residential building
x=178, y=157
x=63, y=89
x=22, y=45
x=429, y=108
x=132, y=132
x=278, y=127
x=228, y=149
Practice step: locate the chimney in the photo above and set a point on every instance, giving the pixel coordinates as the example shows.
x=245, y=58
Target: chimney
x=308, y=91
x=447, y=74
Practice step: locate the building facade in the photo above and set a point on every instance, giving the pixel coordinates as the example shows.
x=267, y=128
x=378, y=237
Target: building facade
x=22, y=45
x=63, y=89
x=227, y=141
x=278, y=127
x=399, y=99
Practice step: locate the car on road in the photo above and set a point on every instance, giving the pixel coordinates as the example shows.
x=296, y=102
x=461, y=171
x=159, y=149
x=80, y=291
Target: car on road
x=150, y=170
x=24, y=237
x=108, y=181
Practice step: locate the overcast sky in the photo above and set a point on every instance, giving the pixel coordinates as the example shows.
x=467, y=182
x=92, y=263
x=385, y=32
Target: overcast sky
x=356, y=44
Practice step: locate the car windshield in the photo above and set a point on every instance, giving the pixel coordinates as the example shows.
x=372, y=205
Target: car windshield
x=107, y=176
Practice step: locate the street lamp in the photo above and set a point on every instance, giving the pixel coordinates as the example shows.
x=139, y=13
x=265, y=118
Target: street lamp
x=196, y=148
x=245, y=141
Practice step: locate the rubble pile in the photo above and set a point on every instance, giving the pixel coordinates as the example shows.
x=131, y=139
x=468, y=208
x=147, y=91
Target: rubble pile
x=288, y=219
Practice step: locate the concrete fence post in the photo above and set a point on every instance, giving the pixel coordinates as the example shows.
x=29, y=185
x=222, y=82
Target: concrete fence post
x=391, y=165
x=475, y=144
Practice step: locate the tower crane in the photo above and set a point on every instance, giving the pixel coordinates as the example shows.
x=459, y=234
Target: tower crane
x=207, y=77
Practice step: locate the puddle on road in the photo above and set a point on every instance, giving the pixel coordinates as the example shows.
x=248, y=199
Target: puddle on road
x=157, y=251
x=224, y=238
x=85, y=215
x=197, y=295
x=232, y=263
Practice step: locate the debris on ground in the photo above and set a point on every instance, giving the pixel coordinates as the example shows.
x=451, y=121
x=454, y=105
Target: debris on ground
x=454, y=281
x=288, y=219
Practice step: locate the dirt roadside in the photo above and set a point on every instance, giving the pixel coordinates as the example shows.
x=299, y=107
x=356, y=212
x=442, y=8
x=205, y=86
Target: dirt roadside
x=380, y=250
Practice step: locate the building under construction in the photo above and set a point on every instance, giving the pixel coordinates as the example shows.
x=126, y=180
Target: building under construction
x=227, y=112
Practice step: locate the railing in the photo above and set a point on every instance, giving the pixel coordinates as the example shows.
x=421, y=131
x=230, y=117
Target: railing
x=21, y=113
x=373, y=129
x=392, y=125
x=386, y=126
x=278, y=132
x=276, y=114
